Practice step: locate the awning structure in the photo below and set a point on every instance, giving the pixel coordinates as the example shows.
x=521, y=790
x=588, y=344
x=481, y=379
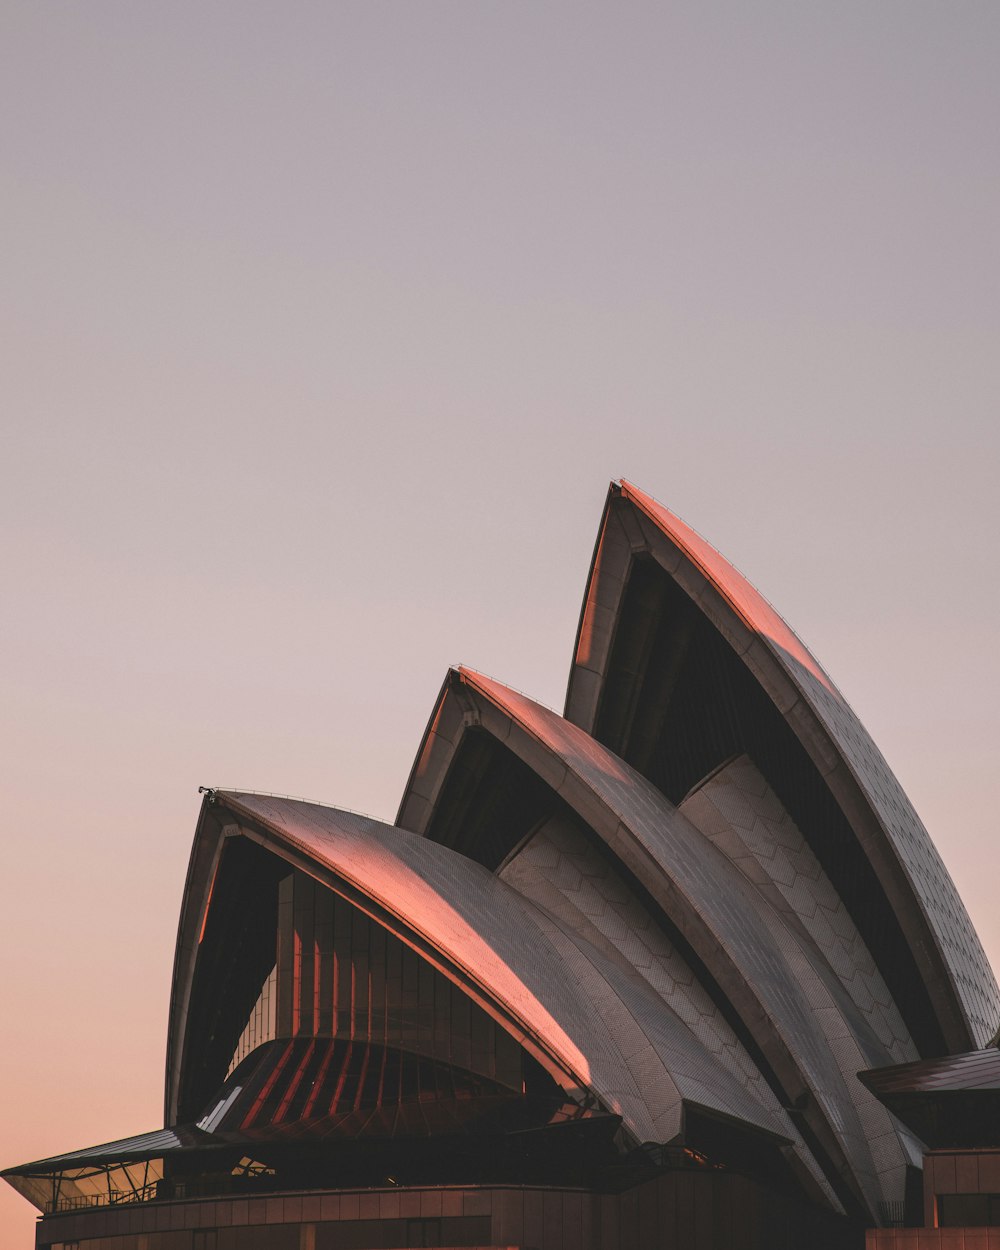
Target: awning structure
x=128, y=1170
x=950, y=1101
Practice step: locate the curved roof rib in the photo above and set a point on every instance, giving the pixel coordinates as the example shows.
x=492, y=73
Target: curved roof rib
x=786, y=997
x=738, y=811
x=597, y=1030
x=951, y=975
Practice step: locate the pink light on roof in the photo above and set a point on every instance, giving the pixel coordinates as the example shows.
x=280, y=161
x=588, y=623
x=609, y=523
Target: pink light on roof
x=393, y=871
x=543, y=723
x=748, y=603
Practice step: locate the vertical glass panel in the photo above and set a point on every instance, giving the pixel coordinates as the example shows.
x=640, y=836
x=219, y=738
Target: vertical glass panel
x=343, y=975
x=261, y=1025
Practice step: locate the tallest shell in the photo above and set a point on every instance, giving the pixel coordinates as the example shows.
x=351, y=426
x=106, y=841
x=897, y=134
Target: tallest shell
x=668, y=622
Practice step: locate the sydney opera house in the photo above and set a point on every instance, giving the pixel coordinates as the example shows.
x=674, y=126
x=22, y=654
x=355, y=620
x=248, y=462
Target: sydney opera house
x=678, y=968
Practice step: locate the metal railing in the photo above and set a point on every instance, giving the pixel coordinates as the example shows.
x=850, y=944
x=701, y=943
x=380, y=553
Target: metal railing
x=167, y=1190
x=109, y=1198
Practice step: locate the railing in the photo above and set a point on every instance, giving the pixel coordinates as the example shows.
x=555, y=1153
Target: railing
x=166, y=1190
x=110, y=1198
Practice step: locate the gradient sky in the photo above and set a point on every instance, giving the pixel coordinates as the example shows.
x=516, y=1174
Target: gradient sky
x=325, y=326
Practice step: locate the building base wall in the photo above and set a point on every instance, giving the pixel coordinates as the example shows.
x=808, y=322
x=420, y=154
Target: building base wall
x=674, y=1211
x=933, y=1239
x=951, y=1175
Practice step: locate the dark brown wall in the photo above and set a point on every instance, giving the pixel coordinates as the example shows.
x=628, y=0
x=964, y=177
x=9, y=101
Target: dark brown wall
x=675, y=1211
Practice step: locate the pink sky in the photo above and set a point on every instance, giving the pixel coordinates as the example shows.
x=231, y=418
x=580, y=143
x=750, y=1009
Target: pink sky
x=324, y=329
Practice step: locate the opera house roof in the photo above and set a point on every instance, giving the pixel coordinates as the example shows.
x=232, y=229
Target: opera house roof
x=684, y=914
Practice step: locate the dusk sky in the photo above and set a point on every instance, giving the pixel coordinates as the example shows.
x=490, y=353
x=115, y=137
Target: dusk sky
x=325, y=326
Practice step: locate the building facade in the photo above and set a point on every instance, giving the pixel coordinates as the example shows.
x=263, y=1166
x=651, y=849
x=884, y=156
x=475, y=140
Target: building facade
x=608, y=981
